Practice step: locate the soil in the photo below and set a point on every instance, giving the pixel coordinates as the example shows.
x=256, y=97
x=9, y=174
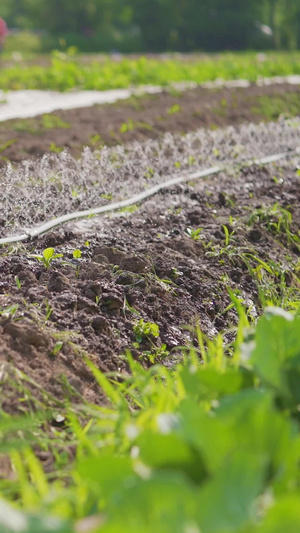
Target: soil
x=144, y=266
x=170, y=263
x=140, y=118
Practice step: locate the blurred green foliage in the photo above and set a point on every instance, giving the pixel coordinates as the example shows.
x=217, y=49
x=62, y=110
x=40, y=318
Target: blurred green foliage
x=211, y=445
x=158, y=25
x=67, y=70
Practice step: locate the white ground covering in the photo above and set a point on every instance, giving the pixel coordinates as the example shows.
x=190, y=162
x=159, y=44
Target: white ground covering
x=24, y=104
x=37, y=191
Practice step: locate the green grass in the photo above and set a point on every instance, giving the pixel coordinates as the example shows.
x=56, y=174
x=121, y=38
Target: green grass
x=210, y=445
x=67, y=71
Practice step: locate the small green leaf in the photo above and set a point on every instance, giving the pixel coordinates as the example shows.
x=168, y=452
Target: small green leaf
x=56, y=348
x=48, y=254
x=77, y=254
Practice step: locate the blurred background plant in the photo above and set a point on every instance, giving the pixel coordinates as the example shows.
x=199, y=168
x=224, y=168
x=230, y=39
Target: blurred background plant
x=151, y=25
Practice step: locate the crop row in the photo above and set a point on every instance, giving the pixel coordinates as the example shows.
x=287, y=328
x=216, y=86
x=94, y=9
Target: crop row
x=66, y=71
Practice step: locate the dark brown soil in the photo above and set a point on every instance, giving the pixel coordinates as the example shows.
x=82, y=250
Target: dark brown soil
x=143, y=266
x=145, y=117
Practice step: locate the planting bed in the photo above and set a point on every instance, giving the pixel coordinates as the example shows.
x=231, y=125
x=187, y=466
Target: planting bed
x=204, y=413
x=140, y=118
x=169, y=261
x=150, y=265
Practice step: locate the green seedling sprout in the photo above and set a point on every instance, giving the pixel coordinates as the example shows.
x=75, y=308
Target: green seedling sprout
x=56, y=348
x=47, y=257
x=77, y=254
x=18, y=283
x=227, y=234
x=144, y=330
x=193, y=233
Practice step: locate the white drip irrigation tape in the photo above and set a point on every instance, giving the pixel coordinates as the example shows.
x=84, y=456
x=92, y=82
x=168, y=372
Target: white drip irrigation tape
x=44, y=228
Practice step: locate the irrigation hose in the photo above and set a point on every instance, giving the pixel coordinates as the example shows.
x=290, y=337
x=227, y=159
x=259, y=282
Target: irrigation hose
x=44, y=228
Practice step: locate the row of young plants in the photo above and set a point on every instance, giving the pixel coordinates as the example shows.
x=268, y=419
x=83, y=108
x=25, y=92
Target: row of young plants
x=211, y=445
x=67, y=71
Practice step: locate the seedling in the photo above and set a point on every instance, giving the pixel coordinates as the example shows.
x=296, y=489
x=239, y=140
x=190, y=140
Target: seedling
x=9, y=311
x=55, y=149
x=276, y=219
x=176, y=108
x=144, y=330
x=227, y=234
x=48, y=310
x=4, y=146
x=56, y=348
x=77, y=254
x=18, y=283
x=105, y=196
x=155, y=355
x=128, y=308
x=193, y=233
x=47, y=257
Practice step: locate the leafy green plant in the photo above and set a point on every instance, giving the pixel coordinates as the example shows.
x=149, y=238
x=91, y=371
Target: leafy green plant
x=145, y=330
x=156, y=354
x=67, y=71
x=209, y=445
x=47, y=256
